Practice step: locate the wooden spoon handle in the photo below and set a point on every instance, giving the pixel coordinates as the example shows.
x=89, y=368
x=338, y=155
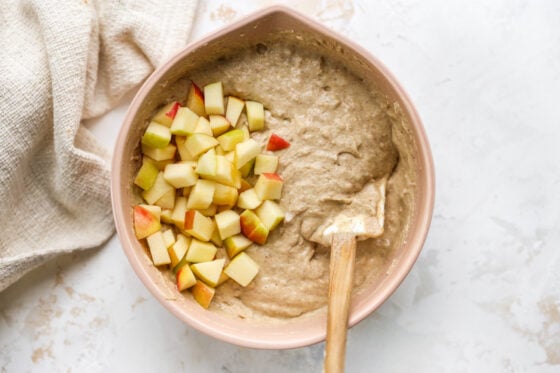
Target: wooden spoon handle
x=343, y=254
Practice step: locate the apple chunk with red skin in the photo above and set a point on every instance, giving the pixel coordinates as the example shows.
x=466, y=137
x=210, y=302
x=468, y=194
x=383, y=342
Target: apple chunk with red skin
x=185, y=278
x=195, y=100
x=203, y=293
x=166, y=114
x=269, y=186
x=145, y=223
x=198, y=225
x=275, y=142
x=252, y=227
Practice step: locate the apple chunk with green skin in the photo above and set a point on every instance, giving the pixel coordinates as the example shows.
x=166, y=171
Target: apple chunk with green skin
x=228, y=223
x=185, y=122
x=166, y=114
x=269, y=186
x=242, y=269
x=198, y=143
x=198, y=225
x=159, y=253
x=246, y=151
x=270, y=213
x=255, y=115
x=195, y=100
x=145, y=223
x=159, y=155
x=230, y=139
x=185, y=278
x=252, y=227
x=203, y=293
x=248, y=199
x=200, y=251
x=156, y=136
x=233, y=110
x=214, y=98
x=157, y=190
x=180, y=175
x=146, y=175
x=209, y=272
x=265, y=163
x=201, y=195
x=236, y=244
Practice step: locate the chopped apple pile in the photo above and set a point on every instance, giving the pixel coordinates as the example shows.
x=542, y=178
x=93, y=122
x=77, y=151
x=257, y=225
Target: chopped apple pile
x=210, y=191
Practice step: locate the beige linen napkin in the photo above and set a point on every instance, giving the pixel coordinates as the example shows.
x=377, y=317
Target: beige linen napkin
x=61, y=62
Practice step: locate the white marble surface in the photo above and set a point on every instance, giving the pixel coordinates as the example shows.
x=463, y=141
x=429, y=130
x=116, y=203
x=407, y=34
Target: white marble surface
x=484, y=295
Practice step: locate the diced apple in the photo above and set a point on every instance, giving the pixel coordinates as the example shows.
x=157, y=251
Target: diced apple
x=203, y=294
x=203, y=126
x=228, y=223
x=275, y=142
x=166, y=215
x=269, y=186
x=200, y=251
x=180, y=175
x=146, y=175
x=226, y=173
x=255, y=115
x=242, y=269
x=198, y=225
x=163, y=154
x=247, y=168
x=201, y=194
x=178, y=215
x=156, y=136
x=159, y=165
x=246, y=133
x=248, y=199
x=166, y=114
x=219, y=124
x=178, y=250
x=236, y=244
x=265, y=163
x=157, y=190
x=169, y=238
x=230, y=156
x=215, y=238
x=184, y=154
x=199, y=143
x=214, y=98
x=246, y=151
x=195, y=100
x=252, y=227
x=159, y=253
x=270, y=213
x=184, y=123
x=145, y=223
x=223, y=278
x=210, y=211
x=224, y=195
x=209, y=272
x=207, y=164
x=185, y=278
x=231, y=138
x=234, y=109
x=154, y=210
x=167, y=201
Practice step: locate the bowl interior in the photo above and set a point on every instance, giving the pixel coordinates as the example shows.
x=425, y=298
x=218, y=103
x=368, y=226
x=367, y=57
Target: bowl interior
x=304, y=330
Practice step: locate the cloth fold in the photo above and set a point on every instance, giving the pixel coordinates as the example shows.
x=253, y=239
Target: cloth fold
x=60, y=63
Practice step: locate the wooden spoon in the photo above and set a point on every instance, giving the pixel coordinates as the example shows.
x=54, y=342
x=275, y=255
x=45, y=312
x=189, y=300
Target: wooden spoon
x=363, y=218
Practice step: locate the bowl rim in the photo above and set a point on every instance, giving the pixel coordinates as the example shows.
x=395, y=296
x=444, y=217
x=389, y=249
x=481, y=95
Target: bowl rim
x=424, y=206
